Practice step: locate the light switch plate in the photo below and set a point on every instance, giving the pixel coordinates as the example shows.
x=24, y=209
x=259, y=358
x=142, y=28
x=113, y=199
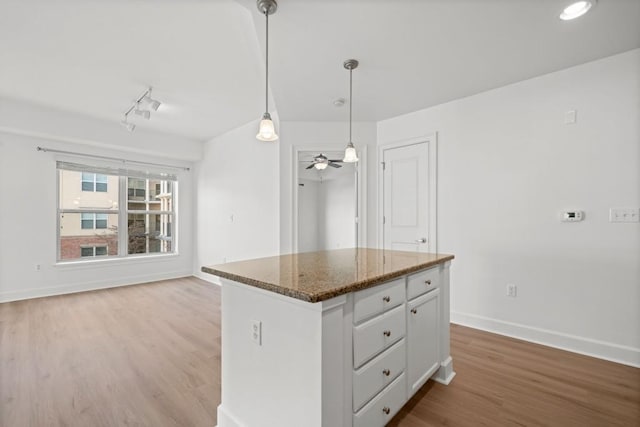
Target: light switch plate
x=624, y=215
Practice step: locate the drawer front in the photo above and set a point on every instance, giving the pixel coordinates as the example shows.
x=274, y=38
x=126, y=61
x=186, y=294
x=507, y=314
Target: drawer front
x=384, y=406
x=423, y=282
x=373, y=336
x=378, y=373
x=370, y=302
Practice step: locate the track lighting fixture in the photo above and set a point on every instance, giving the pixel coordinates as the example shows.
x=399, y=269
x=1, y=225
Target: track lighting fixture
x=141, y=107
x=267, y=130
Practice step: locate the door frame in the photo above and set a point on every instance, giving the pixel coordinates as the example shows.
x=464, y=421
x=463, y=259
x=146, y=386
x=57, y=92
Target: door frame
x=432, y=189
x=361, y=189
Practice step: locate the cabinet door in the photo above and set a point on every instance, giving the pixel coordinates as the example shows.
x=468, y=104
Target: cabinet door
x=423, y=337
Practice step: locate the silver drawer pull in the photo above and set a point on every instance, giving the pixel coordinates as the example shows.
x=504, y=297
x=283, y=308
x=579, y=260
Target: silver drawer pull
x=386, y=372
x=386, y=299
x=386, y=410
x=387, y=333
x=428, y=282
x=414, y=311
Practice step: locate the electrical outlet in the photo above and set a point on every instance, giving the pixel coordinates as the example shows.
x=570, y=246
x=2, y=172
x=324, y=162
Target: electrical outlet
x=512, y=290
x=256, y=331
x=38, y=267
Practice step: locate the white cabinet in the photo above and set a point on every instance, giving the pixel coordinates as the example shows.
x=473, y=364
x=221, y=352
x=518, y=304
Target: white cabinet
x=396, y=343
x=423, y=337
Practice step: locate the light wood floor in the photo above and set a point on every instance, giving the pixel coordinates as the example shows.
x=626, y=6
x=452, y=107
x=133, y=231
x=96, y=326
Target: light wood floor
x=149, y=355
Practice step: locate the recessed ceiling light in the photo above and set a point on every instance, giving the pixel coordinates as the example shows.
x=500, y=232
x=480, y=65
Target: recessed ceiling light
x=577, y=9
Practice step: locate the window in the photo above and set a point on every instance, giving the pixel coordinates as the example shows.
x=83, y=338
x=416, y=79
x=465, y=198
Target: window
x=93, y=251
x=89, y=221
x=114, y=212
x=94, y=182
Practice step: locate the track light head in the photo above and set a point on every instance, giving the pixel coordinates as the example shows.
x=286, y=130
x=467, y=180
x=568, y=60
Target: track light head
x=145, y=114
x=129, y=126
x=149, y=103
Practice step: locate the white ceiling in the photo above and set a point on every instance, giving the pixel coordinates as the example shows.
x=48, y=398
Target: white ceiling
x=204, y=57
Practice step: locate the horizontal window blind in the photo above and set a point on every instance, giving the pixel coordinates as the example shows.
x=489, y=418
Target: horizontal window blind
x=106, y=170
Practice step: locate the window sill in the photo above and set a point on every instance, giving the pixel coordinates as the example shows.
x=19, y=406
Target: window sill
x=108, y=262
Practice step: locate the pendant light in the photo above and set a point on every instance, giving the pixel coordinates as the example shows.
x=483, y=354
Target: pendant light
x=350, y=155
x=267, y=130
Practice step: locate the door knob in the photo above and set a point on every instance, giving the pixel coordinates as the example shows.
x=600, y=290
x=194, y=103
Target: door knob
x=423, y=240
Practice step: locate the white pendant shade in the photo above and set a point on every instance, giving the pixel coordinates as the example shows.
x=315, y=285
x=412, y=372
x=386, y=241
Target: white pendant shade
x=267, y=130
x=350, y=155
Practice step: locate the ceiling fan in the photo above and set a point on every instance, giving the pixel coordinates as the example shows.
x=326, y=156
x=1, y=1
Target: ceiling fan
x=321, y=162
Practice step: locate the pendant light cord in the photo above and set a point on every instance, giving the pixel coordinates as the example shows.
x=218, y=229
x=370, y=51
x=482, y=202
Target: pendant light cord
x=266, y=84
x=350, y=100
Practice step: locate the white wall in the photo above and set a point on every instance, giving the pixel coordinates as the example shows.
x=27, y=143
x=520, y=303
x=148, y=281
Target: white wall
x=308, y=212
x=329, y=134
x=28, y=202
x=337, y=225
x=507, y=166
x=237, y=199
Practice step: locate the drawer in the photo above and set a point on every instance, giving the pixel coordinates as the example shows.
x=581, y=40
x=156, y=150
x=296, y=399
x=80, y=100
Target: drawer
x=370, y=302
x=373, y=336
x=384, y=406
x=378, y=373
x=423, y=282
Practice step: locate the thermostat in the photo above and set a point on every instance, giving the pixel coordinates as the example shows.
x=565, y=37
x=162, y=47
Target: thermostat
x=572, y=216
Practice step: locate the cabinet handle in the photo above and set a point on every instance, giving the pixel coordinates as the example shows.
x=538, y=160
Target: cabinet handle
x=386, y=299
x=414, y=311
x=387, y=333
x=386, y=410
x=386, y=372
x=428, y=282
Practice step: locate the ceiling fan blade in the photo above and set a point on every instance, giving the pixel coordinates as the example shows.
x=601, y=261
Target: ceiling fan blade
x=336, y=161
x=335, y=165
x=310, y=166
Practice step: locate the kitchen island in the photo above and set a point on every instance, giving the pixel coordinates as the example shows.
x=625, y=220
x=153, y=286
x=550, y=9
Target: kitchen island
x=331, y=339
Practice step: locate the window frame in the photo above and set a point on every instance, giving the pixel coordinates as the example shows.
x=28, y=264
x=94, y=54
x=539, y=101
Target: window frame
x=122, y=212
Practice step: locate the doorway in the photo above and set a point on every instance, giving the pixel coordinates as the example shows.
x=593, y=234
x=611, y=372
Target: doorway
x=408, y=195
x=327, y=200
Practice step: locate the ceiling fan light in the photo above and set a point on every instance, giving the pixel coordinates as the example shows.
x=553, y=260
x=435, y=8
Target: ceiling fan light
x=350, y=155
x=267, y=129
x=321, y=166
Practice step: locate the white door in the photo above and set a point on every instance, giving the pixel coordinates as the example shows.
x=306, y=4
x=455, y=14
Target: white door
x=406, y=195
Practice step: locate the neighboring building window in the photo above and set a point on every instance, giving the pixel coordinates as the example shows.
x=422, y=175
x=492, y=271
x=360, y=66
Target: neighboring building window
x=90, y=221
x=94, y=182
x=93, y=251
x=97, y=219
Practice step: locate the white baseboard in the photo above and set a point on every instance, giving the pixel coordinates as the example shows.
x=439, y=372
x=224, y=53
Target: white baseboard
x=105, y=283
x=207, y=277
x=587, y=346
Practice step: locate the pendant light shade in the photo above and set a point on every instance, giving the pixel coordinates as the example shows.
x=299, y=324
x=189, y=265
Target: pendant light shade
x=267, y=130
x=350, y=155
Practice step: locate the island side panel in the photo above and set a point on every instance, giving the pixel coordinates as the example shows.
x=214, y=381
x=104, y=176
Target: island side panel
x=445, y=373
x=280, y=382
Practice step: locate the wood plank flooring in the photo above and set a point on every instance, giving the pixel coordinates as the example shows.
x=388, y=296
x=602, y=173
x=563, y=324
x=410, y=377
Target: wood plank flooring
x=149, y=355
